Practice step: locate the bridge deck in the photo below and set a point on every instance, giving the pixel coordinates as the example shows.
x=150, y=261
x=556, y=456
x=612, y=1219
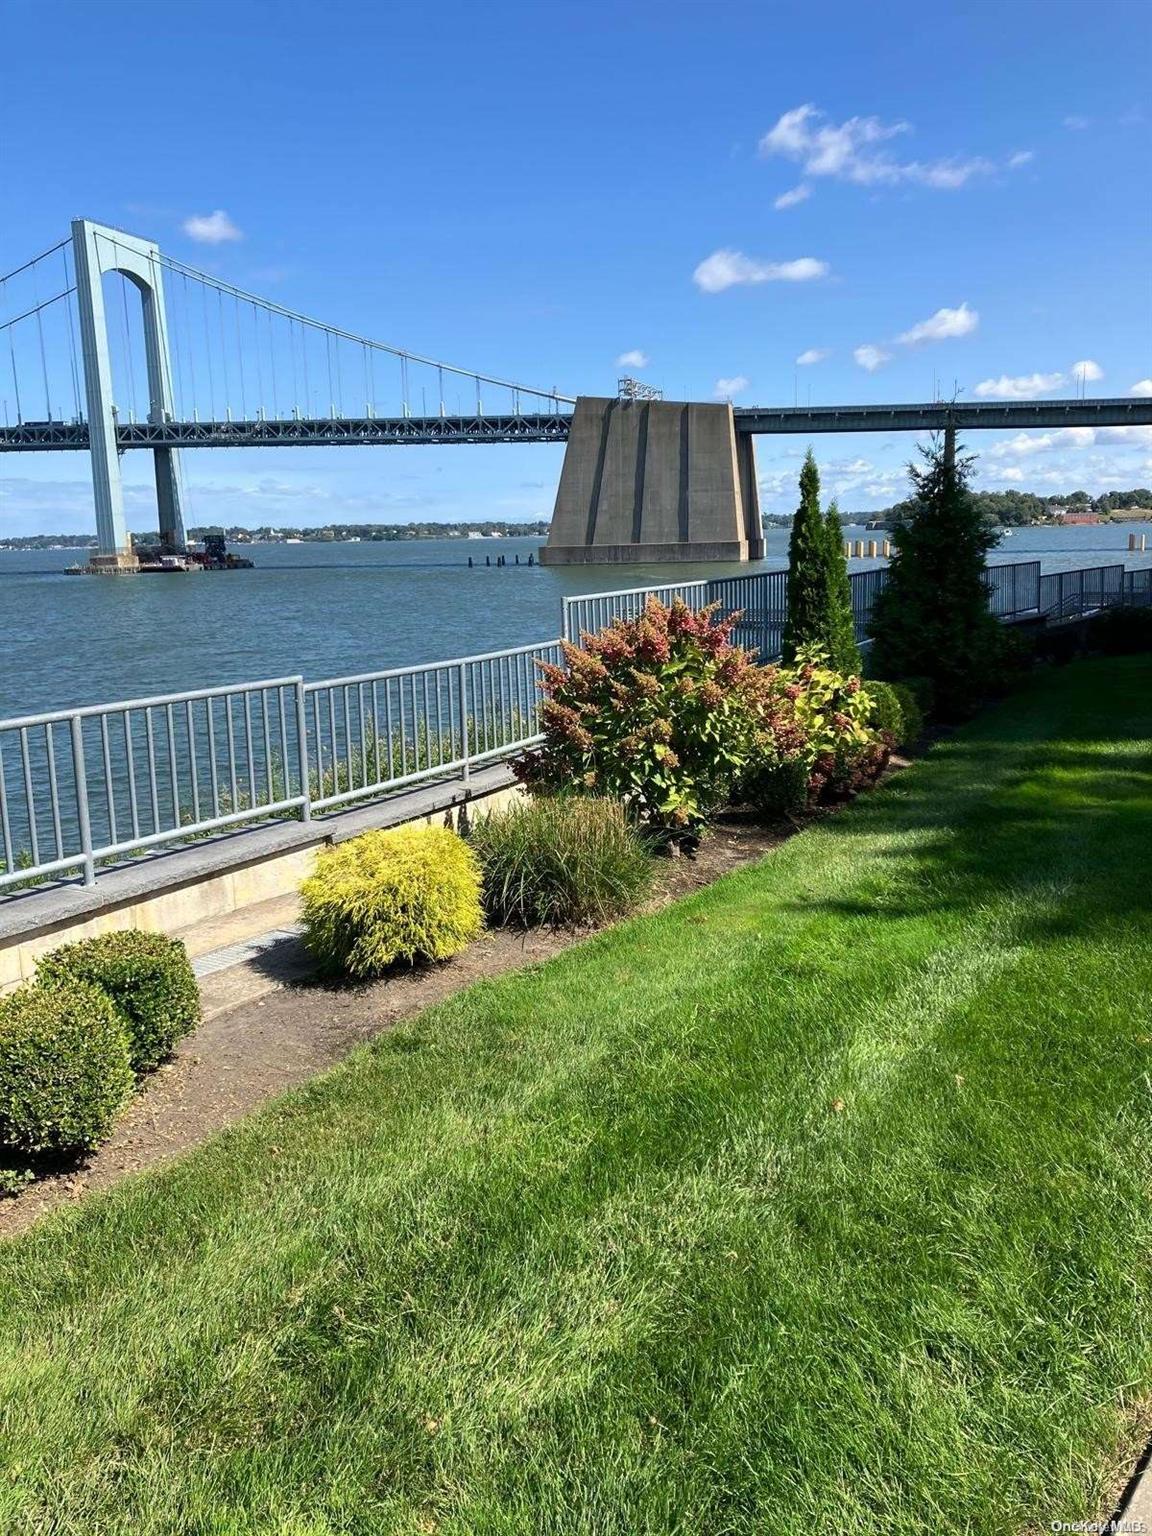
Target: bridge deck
x=552, y=427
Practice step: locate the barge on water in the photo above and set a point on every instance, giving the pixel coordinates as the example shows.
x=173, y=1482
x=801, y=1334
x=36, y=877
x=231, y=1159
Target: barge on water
x=214, y=556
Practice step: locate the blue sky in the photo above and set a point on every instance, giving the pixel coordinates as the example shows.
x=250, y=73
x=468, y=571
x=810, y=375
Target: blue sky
x=953, y=196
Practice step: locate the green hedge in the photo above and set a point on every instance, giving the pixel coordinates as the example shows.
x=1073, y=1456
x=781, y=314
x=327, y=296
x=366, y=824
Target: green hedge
x=391, y=897
x=1123, y=631
x=148, y=978
x=562, y=859
x=895, y=709
x=65, y=1069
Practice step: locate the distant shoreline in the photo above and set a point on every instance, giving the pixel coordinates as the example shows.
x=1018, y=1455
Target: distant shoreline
x=67, y=543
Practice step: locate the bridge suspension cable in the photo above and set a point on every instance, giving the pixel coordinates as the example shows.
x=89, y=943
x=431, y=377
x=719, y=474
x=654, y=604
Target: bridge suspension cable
x=29, y=349
x=231, y=354
x=335, y=335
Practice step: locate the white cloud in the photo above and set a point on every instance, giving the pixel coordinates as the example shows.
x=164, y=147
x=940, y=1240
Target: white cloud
x=799, y=194
x=871, y=358
x=848, y=151
x=1077, y=124
x=727, y=389
x=1143, y=388
x=818, y=354
x=1138, y=436
x=725, y=269
x=211, y=228
x=1021, y=157
x=1025, y=444
x=1027, y=386
x=1087, y=371
x=943, y=325
x=633, y=359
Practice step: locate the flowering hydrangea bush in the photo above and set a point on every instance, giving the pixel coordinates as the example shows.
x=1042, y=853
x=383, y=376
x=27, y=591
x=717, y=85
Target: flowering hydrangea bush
x=661, y=711
x=666, y=714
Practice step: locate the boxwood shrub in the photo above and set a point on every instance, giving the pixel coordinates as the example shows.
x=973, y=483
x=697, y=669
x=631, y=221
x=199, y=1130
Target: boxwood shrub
x=65, y=1070
x=149, y=980
x=895, y=711
x=391, y=897
x=563, y=859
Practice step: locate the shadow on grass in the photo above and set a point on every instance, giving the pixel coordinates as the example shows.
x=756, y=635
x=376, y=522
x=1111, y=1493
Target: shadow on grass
x=968, y=830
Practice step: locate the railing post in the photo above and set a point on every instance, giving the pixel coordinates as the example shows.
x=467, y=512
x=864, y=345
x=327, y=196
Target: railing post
x=464, y=719
x=302, y=750
x=565, y=610
x=80, y=778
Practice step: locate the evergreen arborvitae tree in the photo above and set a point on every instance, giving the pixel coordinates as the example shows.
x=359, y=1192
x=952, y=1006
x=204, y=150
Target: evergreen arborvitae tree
x=932, y=618
x=805, y=622
x=840, y=630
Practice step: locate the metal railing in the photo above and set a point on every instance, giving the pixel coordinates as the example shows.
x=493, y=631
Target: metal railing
x=82, y=785
x=1015, y=591
x=86, y=787
x=1065, y=594
x=382, y=730
x=593, y=611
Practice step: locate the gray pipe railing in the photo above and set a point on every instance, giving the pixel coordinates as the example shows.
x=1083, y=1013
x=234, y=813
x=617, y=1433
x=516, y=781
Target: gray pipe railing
x=86, y=787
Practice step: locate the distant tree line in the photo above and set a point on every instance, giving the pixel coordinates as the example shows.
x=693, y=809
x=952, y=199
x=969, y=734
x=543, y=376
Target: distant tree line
x=382, y=533
x=1014, y=509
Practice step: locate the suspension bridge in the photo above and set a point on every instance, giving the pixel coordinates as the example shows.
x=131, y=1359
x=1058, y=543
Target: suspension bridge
x=113, y=345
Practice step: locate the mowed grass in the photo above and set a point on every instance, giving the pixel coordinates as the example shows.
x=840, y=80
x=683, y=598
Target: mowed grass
x=819, y=1202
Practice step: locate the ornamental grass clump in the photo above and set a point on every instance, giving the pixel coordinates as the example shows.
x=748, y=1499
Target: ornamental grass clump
x=390, y=898
x=561, y=860
x=660, y=711
x=65, y=1070
x=149, y=980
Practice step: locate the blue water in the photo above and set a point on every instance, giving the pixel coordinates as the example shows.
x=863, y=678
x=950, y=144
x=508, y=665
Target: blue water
x=323, y=610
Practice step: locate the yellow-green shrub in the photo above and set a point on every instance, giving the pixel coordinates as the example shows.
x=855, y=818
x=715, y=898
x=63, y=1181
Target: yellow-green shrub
x=392, y=897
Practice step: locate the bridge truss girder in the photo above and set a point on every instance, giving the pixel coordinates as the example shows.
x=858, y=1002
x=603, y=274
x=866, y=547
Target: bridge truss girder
x=319, y=432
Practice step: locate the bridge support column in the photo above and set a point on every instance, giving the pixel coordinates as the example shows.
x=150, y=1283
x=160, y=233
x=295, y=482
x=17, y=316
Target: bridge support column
x=657, y=481
x=98, y=249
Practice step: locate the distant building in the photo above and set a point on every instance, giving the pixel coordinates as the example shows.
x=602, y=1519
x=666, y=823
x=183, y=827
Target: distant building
x=1073, y=515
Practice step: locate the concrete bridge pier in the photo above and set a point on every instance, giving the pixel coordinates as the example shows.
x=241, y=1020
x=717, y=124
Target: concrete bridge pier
x=656, y=481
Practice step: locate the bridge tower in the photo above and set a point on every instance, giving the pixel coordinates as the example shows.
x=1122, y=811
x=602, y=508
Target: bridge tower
x=98, y=249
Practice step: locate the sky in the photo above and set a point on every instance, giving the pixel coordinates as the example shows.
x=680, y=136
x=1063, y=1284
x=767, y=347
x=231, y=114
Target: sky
x=762, y=202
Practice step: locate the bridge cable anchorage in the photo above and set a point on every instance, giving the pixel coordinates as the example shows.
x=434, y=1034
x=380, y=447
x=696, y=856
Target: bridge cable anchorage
x=339, y=334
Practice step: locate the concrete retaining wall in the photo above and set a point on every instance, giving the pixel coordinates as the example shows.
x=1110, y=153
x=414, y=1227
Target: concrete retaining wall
x=654, y=481
x=176, y=891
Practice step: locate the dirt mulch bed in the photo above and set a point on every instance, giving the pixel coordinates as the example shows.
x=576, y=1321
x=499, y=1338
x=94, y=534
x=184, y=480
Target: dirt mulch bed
x=240, y=1058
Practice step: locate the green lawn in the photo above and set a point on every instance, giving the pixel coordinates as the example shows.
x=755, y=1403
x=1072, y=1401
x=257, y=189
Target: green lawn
x=819, y=1203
